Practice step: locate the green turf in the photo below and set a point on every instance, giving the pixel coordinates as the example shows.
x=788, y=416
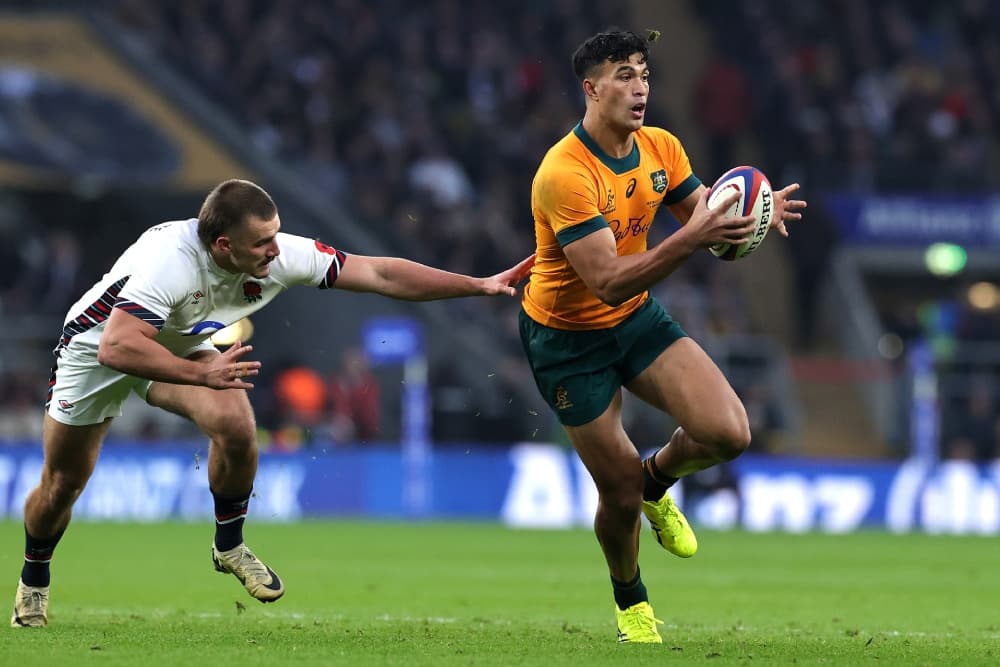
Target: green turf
x=459, y=594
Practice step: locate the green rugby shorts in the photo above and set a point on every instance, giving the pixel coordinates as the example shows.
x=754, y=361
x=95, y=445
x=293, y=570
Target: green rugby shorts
x=579, y=372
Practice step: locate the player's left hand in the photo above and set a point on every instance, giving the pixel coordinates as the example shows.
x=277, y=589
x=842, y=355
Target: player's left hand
x=505, y=282
x=785, y=209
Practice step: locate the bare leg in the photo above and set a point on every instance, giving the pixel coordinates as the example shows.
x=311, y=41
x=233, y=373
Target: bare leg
x=232, y=462
x=684, y=382
x=683, y=455
x=227, y=418
x=70, y=456
x=613, y=462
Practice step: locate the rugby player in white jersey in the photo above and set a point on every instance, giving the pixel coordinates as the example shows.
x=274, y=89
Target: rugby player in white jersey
x=145, y=328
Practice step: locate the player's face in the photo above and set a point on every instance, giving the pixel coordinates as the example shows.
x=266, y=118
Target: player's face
x=622, y=90
x=254, y=245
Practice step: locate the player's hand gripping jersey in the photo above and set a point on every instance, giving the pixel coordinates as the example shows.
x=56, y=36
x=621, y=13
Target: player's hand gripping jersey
x=579, y=189
x=168, y=278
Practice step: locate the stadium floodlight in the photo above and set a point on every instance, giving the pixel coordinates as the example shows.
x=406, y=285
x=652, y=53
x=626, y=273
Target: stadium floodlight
x=984, y=295
x=945, y=259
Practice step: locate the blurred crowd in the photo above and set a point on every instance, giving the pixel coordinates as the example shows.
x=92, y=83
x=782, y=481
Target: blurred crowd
x=423, y=120
x=898, y=95
x=302, y=407
x=40, y=265
x=970, y=430
x=852, y=96
x=957, y=322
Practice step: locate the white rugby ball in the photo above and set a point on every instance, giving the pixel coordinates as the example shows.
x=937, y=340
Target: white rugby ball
x=756, y=199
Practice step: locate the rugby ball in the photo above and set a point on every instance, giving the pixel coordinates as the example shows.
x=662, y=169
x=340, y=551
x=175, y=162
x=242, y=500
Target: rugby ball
x=755, y=199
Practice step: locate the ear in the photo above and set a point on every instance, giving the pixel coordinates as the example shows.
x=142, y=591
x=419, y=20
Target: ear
x=223, y=244
x=589, y=89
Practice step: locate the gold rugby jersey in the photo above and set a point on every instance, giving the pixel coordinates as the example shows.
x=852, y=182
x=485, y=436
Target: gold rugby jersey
x=579, y=189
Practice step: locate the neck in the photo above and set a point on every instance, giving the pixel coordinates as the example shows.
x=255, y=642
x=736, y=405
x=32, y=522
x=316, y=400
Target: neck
x=615, y=142
x=222, y=262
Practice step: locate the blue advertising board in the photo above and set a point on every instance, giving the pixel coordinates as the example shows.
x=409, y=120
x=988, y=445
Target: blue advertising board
x=524, y=485
x=914, y=221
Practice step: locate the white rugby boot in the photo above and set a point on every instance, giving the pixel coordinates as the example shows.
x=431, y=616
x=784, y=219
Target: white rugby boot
x=260, y=581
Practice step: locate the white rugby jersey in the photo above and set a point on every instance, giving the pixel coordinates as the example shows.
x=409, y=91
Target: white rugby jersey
x=169, y=279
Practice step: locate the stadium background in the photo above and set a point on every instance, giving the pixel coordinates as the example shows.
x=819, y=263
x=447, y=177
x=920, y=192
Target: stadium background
x=862, y=345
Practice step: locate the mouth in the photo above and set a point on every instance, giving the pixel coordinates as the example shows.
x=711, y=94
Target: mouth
x=639, y=110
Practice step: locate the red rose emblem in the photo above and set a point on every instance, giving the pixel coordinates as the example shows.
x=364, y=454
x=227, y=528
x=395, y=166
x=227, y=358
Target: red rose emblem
x=251, y=292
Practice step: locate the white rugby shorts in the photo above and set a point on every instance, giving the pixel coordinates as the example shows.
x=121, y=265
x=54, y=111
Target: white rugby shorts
x=88, y=393
x=83, y=392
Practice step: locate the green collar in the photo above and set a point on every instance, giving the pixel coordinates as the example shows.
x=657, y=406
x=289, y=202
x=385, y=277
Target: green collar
x=619, y=165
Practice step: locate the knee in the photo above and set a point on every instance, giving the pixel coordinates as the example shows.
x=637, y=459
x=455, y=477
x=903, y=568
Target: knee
x=727, y=436
x=239, y=435
x=733, y=436
x=623, y=494
x=624, y=505
x=235, y=432
x=62, y=488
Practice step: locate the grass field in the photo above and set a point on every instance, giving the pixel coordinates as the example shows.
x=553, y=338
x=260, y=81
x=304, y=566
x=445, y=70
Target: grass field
x=462, y=594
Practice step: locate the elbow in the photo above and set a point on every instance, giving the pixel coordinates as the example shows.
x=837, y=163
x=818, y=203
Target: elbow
x=609, y=295
x=611, y=299
x=610, y=284
x=610, y=291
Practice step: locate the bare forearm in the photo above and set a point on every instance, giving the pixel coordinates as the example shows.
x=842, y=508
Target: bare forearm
x=145, y=358
x=634, y=274
x=410, y=281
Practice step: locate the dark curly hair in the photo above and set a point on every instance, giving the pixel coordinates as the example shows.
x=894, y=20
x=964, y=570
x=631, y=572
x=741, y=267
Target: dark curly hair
x=610, y=46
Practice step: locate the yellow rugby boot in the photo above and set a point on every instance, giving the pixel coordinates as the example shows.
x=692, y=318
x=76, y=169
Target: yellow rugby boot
x=670, y=526
x=637, y=625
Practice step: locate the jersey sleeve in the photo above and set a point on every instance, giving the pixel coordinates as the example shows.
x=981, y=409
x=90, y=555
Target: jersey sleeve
x=156, y=285
x=679, y=166
x=567, y=198
x=308, y=262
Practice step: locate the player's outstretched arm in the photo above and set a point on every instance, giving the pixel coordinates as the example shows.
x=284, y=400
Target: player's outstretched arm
x=128, y=345
x=411, y=281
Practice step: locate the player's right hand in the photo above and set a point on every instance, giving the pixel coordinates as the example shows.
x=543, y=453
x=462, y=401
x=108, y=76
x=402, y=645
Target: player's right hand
x=229, y=371
x=506, y=282
x=712, y=226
